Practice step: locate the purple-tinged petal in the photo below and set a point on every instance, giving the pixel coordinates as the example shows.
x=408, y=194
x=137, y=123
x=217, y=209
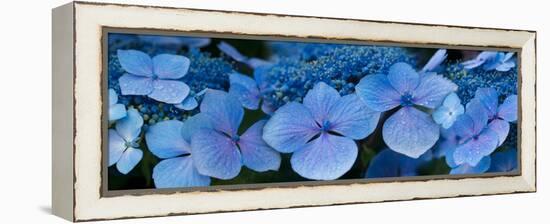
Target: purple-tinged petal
x=473, y=150
x=129, y=127
x=169, y=91
x=169, y=66
x=135, y=85
x=113, y=97
x=320, y=100
x=464, y=126
x=178, y=172
x=268, y=108
x=489, y=99
x=256, y=154
x=117, y=111
x=500, y=127
x=231, y=52
x=436, y=60
x=223, y=109
x=478, y=114
x=189, y=103
x=129, y=159
x=506, y=161
x=117, y=145
x=377, y=92
x=350, y=117
x=290, y=128
x=245, y=89
x=432, y=90
x=164, y=139
x=136, y=62
x=481, y=167
x=508, y=110
x=410, y=132
x=448, y=141
x=403, y=78
x=326, y=158
x=195, y=123
x=215, y=154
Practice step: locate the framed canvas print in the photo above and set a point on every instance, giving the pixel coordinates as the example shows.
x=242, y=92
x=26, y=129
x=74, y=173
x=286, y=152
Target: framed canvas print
x=170, y=111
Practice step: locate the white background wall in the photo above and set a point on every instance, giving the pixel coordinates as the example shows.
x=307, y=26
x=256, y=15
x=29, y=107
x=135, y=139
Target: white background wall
x=25, y=121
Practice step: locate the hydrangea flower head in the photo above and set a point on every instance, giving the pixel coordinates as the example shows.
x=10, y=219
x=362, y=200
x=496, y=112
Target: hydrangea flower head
x=154, y=77
x=116, y=110
x=446, y=114
x=492, y=60
x=409, y=131
x=170, y=141
x=124, y=142
x=388, y=163
x=219, y=151
x=321, y=132
x=498, y=115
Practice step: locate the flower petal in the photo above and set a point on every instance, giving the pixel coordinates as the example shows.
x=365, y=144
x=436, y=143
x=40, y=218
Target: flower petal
x=290, y=128
x=129, y=159
x=478, y=114
x=223, y=109
x=352, y=118
x=326, y=158
x=506, y=161
x=169, y=66
x=508, y=110
x=117, y=111
x=501, y=128
x=436, y=60
x=320, y=100
x=129, y=127
x=113, y=97
x=481, y=167
x=189, y=103
x=403, y=78
x=215, y=155
x=472, y=151
x=257, y=155
x=195, y=123
x=480, y=59
x=410, y=132
x=178, y=172
x=164, y=139
x=231, y=51
x=388, y=163
x=168, y=91
x=245, y=89
x=135, y=62
x=489, y=99
x=135, y=85
x=432, y=90
x=117, y=145
x=377, y=92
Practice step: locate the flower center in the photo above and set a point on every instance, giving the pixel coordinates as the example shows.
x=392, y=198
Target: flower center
x=326, y=126
x=406, y=99
x=155, y=77
x=131, y=144
x=235, y=138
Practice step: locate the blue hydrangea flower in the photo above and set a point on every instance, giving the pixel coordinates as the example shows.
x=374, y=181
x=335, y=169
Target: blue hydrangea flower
x=481, y=167
x=171, y=141
x=448, y=140
x=154, y=77
x=492, y=60
x=124, y=142
x=446, y=114
x=435, y=61
x=505, y=161
x=245, y=89
x=409, y=131
x=498, y=116
x=388, y=163
x=321, y=132
x=218, y=150
x=116, y=110
x=477, y=140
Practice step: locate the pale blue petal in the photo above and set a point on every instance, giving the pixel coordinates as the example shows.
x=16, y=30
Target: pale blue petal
x=410, y=131
x=449, y=157
x=129, y=127
x=432, y=90
x=500, y=127
x=245, y=89
x=129, y=159
x=473, y=150
x=494, y=62
x=480, y=59
x=377, y=92
x=117, y=111
x=135, y=85
x=290, y=128
x=403, y=78
x=135, y=62
x=489, y=99
x=257, y=62
x=117, y=145
x=481, y=167
x=436, y=60
x=256, y=154
x=189, y=103
x=231, y=52
x=447, y=113
x=506, y=161
x=350, y=117
x=506, y=66
x=178, y=172
x=223, y=109
x=195, y=42
x=169, y=91
x=320, y=100
x=326, y=158
x=215, y=154
x=508, y=110
x=441, y=116
x=169, y=66
x=195, y=123
x=452, y=101
x=268, y=108
x=113, y=97
x=164, y=139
